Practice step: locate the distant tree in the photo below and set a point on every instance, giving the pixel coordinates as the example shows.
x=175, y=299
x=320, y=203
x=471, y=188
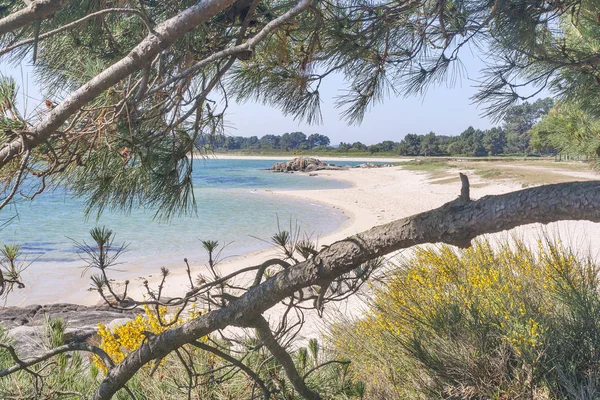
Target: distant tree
x=494, y=141
x=520, y=119
x=410, y=145
x=472, y=142
x=386, y=145
x=444, y=141
x=344, y=147
x=233, y=142
x=251, y=142
x=298, y=140
x=285, y=142
x=457, y=148
x=358, y=146
x=316, y=139
x=269, y=142
x=429, y=145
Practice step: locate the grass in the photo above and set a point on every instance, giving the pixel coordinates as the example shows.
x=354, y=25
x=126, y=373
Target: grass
x=527, y=173
x=428, y=165
x=437, y=169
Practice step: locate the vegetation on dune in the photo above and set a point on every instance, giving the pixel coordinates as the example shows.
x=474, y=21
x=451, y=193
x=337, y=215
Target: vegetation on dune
x=488, y=322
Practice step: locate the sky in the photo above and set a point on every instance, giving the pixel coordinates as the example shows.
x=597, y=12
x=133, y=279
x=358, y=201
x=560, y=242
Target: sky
x=445, y=110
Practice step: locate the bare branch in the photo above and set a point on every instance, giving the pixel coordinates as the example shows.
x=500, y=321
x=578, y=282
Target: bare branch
x=237, y=363
x=67, y=348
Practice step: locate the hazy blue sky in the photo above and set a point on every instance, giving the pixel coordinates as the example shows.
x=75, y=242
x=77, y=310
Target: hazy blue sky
x=444, y=110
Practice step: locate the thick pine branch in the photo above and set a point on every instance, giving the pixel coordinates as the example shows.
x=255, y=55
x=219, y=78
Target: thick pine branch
x=36, y=11
x=457, y=223
x=160, y=39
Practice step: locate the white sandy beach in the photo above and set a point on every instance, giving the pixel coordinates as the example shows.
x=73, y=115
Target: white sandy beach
x=377, y=196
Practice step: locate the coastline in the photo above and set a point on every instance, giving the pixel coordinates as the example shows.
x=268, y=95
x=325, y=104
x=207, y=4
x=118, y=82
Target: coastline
x=377, y=196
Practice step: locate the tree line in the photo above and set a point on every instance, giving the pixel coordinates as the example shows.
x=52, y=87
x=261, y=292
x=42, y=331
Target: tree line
x=513, y=136
x=287, y=141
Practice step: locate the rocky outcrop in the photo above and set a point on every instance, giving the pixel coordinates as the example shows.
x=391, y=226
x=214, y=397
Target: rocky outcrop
x=25, y=325
x=310, y=164
x=304, y=164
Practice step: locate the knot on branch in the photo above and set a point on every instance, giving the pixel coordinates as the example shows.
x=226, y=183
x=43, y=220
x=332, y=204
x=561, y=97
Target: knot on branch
x=245, y=55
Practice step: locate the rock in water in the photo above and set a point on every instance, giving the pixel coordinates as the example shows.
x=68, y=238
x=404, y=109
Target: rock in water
x=303, y=164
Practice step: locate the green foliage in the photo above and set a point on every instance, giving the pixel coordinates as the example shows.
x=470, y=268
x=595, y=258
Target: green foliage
x=77, y=373
x=488, y=322
x=519, y=120
x=12, y=264
x=568, y=130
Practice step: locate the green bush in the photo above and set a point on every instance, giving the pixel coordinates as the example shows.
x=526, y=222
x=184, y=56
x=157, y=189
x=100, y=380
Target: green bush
x=505, y=322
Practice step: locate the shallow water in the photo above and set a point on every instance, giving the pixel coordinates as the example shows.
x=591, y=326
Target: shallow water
x=237, y=205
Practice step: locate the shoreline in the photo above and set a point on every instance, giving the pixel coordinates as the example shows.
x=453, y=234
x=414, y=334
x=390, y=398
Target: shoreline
x=376, y=196
x=75, y=291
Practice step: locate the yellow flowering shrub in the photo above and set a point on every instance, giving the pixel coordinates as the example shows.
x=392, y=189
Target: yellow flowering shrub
x=125, y=338
x=484, y=322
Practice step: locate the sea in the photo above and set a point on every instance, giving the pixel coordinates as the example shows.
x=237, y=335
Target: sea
x=237, y=205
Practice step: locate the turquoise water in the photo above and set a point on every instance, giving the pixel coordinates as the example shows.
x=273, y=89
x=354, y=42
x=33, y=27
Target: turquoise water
x=237, y=205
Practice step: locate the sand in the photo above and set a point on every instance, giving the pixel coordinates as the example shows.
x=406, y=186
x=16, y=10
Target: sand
x=377, y=196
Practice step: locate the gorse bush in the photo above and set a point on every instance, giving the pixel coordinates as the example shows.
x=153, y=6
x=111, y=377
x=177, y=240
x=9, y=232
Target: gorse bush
x=125, y=338
x=483, y=323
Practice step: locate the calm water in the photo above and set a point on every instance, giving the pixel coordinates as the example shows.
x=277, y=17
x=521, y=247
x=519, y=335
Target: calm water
x=236, y=205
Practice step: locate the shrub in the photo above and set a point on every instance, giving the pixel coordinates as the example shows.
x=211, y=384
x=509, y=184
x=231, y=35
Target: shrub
x=127, y=337
x=73, y=376
x=481, y=323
